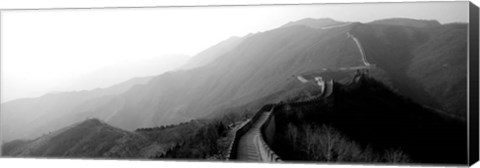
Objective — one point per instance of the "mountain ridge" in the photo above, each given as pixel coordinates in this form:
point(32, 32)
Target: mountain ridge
point(407, 22)
point(315, 23)
point(262, 64)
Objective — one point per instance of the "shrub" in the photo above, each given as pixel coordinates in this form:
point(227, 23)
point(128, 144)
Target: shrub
point(202, 144)
point(325, 143)
point(395, 156)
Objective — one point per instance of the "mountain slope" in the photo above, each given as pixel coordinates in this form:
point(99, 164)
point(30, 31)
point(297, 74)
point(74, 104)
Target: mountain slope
point(120, 71)
point(440, 65)
point(370, 114)
point(255, 68)
point(261, 66)
point(91, 138)
point(426, 64)
point(209, 55)
point(52, 111)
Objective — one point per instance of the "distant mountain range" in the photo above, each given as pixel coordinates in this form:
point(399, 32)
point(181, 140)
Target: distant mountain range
point(124, 70)
point(93, 138)
point(407, 22)
point(32, 117)
point(422, 60)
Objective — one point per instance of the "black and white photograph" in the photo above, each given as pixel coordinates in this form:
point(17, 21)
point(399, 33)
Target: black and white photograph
point(355, 83)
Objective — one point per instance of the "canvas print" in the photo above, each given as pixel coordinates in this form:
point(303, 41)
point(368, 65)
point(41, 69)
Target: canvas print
point(367, 83)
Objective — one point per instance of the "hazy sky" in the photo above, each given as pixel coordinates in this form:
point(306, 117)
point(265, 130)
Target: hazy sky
point(45, 50)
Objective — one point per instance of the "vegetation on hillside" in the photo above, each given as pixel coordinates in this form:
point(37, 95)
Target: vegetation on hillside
point(91, 138)
point(211, 141)
point(202, 145)
point(313, 142)
point(94, 139)
point(371, 117)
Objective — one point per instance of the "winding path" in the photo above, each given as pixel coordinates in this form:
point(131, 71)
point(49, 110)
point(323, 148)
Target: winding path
point(248, 148)
point(362, 53)
point(251, 147)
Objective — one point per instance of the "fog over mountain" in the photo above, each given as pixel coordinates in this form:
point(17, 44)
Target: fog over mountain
point(118, 71)
point(125, 70)
point(52, 111)
point(40, 58)
point(212, 53)
point(241, 70)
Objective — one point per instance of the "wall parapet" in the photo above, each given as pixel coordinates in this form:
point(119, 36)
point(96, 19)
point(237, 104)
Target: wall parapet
point(247, 125)
point(266, 152)
point(267, 129)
